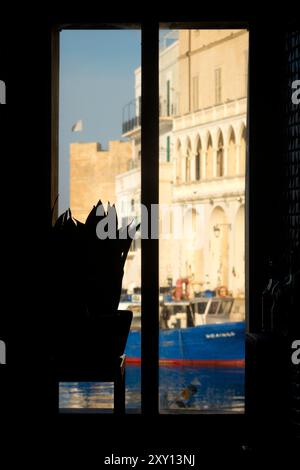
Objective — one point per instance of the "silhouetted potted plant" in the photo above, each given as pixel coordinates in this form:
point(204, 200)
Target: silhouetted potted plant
point(88, 269)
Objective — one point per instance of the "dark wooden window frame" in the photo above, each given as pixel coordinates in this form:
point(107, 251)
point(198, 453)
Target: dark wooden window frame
point(149, 187)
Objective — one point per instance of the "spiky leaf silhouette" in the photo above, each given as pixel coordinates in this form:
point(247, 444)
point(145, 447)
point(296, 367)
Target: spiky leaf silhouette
point(89, 269)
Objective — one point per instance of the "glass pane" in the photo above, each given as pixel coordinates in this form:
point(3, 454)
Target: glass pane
point(202, 162)
point(99, 158)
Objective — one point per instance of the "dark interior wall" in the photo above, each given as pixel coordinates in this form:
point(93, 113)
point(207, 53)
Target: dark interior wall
point(291, 163)
point(266, 146)
point(28, 151)
point(26, 196)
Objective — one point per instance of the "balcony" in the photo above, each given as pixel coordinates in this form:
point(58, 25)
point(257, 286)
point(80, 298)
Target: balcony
point(131, 122)
point(131, 117)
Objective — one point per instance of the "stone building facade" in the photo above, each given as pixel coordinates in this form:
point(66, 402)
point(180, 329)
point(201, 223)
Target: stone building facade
point(93, 172)
point(128, 184)
point(202, 155)
point(209, 137)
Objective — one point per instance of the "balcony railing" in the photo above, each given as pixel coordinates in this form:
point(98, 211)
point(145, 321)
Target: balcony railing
point(131, 124)
point(132, 113)
point(167, 109)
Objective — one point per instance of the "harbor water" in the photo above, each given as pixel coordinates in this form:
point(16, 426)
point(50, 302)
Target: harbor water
point(181, 390)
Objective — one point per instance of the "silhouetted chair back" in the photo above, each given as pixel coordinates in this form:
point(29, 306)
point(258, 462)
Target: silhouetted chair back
point(97, 355)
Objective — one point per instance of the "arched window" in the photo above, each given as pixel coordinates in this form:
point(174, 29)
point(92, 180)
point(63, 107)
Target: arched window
point(220, 157)
point(197, 167)
point(231, 156)
point(178, 162)
point(243, 153)
point(188, 163)
point(209, 158)
point(198, 161)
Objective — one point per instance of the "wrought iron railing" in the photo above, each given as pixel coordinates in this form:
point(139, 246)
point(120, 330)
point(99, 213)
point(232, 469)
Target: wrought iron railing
point(132, 113)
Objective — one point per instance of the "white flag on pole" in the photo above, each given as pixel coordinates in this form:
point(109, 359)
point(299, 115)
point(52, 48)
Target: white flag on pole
point(77, 127)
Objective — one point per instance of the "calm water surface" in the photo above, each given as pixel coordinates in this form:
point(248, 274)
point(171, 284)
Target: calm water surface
point(189, 389)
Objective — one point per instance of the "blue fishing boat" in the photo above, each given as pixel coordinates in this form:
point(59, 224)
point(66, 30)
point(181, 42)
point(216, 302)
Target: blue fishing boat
point(203, 332)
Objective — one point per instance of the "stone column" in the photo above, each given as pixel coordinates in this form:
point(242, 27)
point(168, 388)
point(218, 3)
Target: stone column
point(192, 167)
point(238, 159)
point(225, 161)
point(203, 157)
point(214, 163)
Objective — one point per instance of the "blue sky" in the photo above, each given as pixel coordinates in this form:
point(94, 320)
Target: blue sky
point(96, 81)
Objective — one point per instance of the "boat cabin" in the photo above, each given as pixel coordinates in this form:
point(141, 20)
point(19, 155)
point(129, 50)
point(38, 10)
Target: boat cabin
point(190, 313)
point(208, 310)
point(201, 311)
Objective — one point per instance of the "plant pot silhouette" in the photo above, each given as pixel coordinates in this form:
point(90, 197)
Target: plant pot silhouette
point(88, 274)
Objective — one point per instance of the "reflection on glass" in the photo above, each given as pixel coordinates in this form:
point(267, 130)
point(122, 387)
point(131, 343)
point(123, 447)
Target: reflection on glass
point(201, 389)
point(81, 395)
point(182, 389)
point(203, 108)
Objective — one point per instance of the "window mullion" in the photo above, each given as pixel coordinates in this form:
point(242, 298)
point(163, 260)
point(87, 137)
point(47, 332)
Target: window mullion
point(150, 196)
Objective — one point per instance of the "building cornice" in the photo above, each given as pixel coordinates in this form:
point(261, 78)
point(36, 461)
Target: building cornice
point(212, 44)
point(211, 115)
point(210, 190)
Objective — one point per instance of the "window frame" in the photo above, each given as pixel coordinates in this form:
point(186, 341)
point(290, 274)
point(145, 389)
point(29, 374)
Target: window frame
point(149, 187)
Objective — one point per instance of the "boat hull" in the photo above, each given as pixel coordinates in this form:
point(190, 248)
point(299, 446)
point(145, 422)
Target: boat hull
point(207, 345)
